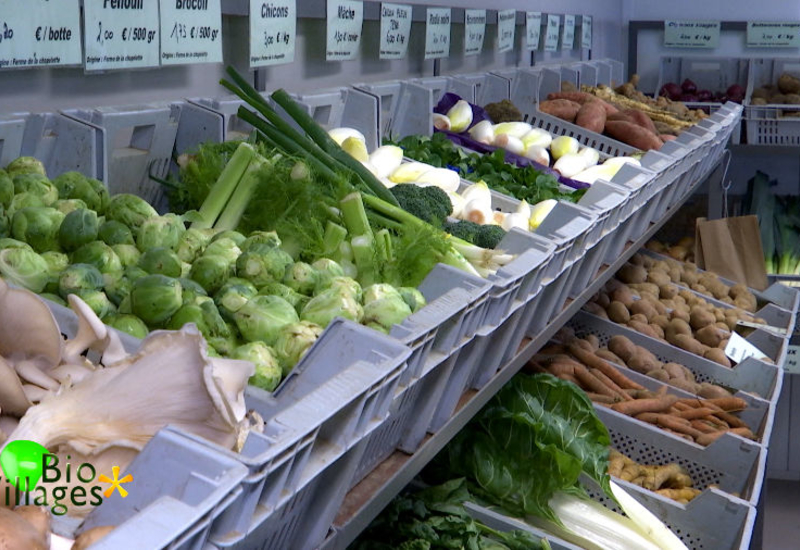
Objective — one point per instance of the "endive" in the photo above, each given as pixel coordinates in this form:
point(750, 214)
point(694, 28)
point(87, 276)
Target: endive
point(482, 132)
point(460, 116)
point(591, 156)
point(515, 220)
point(570, 165)
point(537, 153)
point(443, 178)
point(478, 190)
point(441, 122)
point(478, 210)
point(537, 136)
point(540, 212)
point(386, 159)
point(340, 134)
point(410, 171)
point(564, 145)
point(515, 129)
point(509, 143)
point(356, 148)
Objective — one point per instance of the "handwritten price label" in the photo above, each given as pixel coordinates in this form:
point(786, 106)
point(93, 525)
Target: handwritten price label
point(553, 31)
point(191, 32)
point(568, 38)
point(533, 29)
point(121, 35)
point(586, 32)
point(437, 33)
point(345, 18)
point(766, 34)
point(273, 29)
point(395, 30)
point(474, 31)
point(39, 33)
point(506, 27)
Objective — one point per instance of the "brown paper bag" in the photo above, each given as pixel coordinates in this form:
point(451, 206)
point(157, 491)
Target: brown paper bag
point(731, 248)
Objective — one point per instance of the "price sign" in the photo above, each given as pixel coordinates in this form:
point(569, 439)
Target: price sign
point(691, 34)
point(792, 365)
point(121, 34)
point(474, 31)
point(765, 34)
point(568, 38)
point(191, 32)
point(345, 18)
point(506, 26)
point(739, 349)
point(553, 31)
point(437, 33)
point(395, 30)
point(273, 27)
point(533, 29)
point(39, 33)
point(586, 32)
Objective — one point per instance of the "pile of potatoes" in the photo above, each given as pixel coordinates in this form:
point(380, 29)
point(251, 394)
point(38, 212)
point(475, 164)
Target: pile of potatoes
point(649, 303)
point(683, 251)
point(784, 92)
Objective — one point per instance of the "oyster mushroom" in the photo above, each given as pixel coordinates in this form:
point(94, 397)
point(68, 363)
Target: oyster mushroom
point(28, 329)
point(114, 350)
point(8, 424)
point(91, 536)
point(17, 533)
point(12, 396)
point(33, 371)
point(91, 331)
point(36, 516)
point(68, 373)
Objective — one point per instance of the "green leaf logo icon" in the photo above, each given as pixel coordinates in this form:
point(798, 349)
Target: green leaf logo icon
point(22, 463)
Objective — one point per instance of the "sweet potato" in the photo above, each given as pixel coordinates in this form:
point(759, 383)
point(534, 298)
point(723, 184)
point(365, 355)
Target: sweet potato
point(561, 108)
point(583, 98)
point(633, 135)
point(666, 137)
point(592, 116)
point(641, 119)
point(620, 117)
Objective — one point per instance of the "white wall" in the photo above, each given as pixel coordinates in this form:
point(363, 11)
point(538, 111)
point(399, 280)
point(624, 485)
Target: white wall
point(49, 89)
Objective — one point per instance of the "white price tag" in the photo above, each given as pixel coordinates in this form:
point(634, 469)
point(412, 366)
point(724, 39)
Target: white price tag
point(691, 34)
point(191, 32)
point(345, 18)
point(121, 34)
point(792, 365)
point(395, 30)
point(568, 38)
point(273, 29)
point(474, 31)
point(39, 33)
point(437, 33)
point(506, 27)
point(767, 34)
point(739, 349)
point(553, 32)
point(533, 29)
point(777, 331)
point(586, 32)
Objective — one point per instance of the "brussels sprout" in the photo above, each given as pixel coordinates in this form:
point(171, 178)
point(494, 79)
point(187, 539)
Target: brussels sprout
point(118, 289)
point(191, 290)
point(25, 165)
point(8, 242)
point(268, 372)
point(192, 243)
point(57, 262)
point(70, 205)
point(163, 231)
point(98, 301)
point(262, 317)
point(129, 210)
point(134, 272)
point(235, 236)
point(128, 323)
point(301, 277)
point(326, 305)
point(326, 271)
point(223, 345)
point(6, 189)
point(282, 291)
point(161, 261)
point(267, 238)
point(348, 285)
point(78, 228)
point(5, 224)
point(74, 185)
point(55, 298)
point(113, 232)
point(233, 295)
point(412, 297)
point(100, 255)
point(210, 272)
point(225, 248)
point(24, 268)
point(386, 312)
point(128, 254)
point(188, 313)
point(79, 277)
point(124, 307)
point(38, 185)
point(204, 314)
point(38, 226)
point(379, 291)
point(156, 298)
point(23, 200)
point(294, 341)
point(262, 264)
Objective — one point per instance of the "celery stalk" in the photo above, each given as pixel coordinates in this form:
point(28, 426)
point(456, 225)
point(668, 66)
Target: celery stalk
point(364, 255)
point(354, 215)
point(224, 187)
point(232, 215)
point(335, 234)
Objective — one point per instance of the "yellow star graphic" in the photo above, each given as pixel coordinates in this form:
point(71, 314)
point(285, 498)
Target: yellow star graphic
point(116, 483)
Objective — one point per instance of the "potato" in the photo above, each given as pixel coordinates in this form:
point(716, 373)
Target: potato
point(593, 341)
point(681, 313)
point(745, 302)
point(656, 246)
point(712, 391)
point(658, 278)
point(676, 327)
point(640, 318)
point(687, 295)
point(710, 335)
point(638, 259)
point(689, 278)
point(700, 318)
point(688, 343)
point(618, 313)
point(675, 370)
point(667, 292)
point(643, 328)
point(602, 299)
point(631, 274)
point(643, 363)
point(660, 320)
point(645, 308)
point(623, 295)
point(718, 356)
point(722, 325)
point(675, 274)
point(649, 288)
point(606, 354)
point(657, 330)
point(678, 252)
point(622, 347)
point(659, 375)
point(595, 309)
point(685, 385)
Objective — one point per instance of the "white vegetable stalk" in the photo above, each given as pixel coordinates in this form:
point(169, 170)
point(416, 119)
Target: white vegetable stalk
point(477, 210)
point(594, 173)
point(539, 137)
point(646, 520)
point(482, 132)
point(537, 153)
point(498, 218)
point(386, 159)
point(460, 116)
point(570, 165)
point(514, 129)
point(591, 156)
point(523, 208)
point(410, 172)
point(540, 212)
point(564, 145)
point(340, 134)
point(517, 220)
point(509, 143)
point(458, 204)
point(441, 122)
point(478, 190)
point(621, 161)
point(445, 179)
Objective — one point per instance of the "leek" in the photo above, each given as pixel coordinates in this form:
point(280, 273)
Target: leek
point(224, 187)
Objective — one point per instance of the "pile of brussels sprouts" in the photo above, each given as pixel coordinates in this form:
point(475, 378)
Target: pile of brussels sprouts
point(140, 271)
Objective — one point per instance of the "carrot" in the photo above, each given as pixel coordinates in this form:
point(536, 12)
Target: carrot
point(568, 378)
point(694, 414)
point(610, 383)
point(666, 421)
point(591, 383)
point(561, 368)
point(638, 406)
point(662, 391)
point(633, 135)
point(724, 404)
point(596, 362)
point(703, 426)
point(534, 366)
point(601, 399)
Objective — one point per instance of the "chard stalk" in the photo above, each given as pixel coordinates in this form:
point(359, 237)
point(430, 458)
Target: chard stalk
point(225, 186)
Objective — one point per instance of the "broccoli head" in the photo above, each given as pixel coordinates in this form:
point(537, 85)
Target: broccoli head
point(484, 236)
point(430, 204)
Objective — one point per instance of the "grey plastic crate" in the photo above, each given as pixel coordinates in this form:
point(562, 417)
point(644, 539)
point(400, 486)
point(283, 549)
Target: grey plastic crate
point(771, 124)
point(405, 108)
point(716, 74)
point(440, 85)
point(489, 87)
point(137, 141)
point(336, 396)
point(604, 71)
point(751, 375)
point(63, 145)
point(179, 488)
point(12, 130)
point(524, 86)
point(587, 72)
point(551, 77)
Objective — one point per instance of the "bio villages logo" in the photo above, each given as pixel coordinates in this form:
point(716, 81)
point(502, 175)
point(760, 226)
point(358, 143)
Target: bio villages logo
point(25, 463)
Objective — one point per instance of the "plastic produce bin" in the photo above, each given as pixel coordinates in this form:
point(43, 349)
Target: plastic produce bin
point(12, 130)
point(489, 87)
point(771, 124)
point(63, 145)
point(405, 108)
point(716, 74)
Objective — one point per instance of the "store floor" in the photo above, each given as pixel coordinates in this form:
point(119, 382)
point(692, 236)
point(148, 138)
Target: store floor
point(782, 516)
